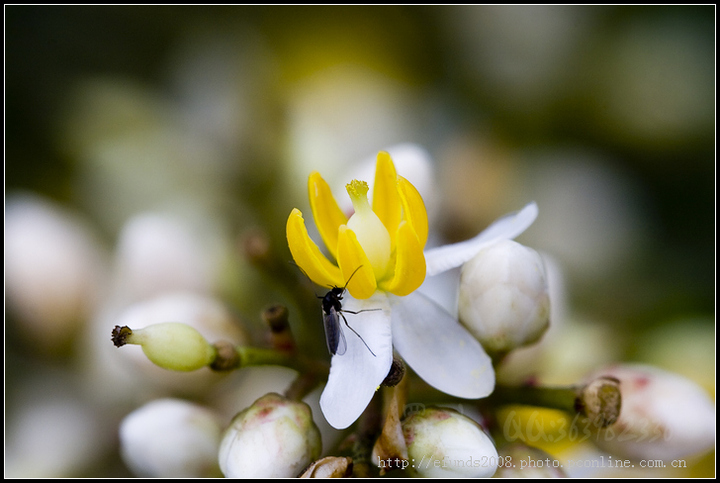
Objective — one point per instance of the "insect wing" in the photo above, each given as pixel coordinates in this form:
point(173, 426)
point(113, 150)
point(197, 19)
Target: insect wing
point(334, 335)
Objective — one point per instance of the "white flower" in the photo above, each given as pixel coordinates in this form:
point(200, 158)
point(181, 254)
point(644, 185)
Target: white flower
point(169, 438)
point(273, 438)
point(381, 259)
point(504, 300)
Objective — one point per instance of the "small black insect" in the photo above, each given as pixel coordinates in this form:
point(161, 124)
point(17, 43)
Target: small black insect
point(332, 308)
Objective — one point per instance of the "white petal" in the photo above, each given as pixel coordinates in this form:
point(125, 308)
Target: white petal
point(508, 227)
point(355, 375)
point(439, 349)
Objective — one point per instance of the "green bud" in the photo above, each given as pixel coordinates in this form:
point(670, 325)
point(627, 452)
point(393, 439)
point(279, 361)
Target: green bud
point(173, 346)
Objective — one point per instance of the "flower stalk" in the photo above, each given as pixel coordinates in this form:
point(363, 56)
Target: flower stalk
point(179, 347)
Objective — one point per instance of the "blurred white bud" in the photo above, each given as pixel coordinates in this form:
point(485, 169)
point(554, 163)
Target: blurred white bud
point(273, 438)
point(504, 299)
point(593, 219)
point(157, 253)
point(171, 438)
point(335, 115)
point(52, 429)
point(172, 346)
point(442, 443)
point(663, 415)
point(54, 269)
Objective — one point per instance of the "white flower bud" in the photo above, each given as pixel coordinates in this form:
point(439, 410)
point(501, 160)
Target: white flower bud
point(442, 443)
point(158, 253)
point(273, 438)
point(504, 299)
point(54, 269)
point(52, 429)
point(663, 415)
point(174, 346)
point(171, 438)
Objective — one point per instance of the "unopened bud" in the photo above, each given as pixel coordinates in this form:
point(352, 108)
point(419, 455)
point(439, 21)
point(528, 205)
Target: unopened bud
point(170, 438)
point(211, 318)
point(664, 415)
point(273, 438)
point(504, 299)
point(171, 345)
point(450, 444)
point(54, 272)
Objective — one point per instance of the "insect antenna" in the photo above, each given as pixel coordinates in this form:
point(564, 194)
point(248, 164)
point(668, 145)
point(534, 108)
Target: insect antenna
point(350, 278)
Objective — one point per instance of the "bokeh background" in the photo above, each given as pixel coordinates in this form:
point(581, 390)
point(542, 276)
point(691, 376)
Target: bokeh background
point(162, 136)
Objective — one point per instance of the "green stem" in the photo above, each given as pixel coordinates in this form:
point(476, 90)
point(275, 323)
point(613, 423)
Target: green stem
point(562, 398)
point(258, 356)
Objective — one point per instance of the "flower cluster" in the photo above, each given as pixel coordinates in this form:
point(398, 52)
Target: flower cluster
point(376, 263)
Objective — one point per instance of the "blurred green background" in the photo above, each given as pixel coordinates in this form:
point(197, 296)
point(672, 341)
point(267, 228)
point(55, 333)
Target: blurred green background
point(603, 115)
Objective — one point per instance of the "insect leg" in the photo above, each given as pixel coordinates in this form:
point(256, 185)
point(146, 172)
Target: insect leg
point(348, 326)
point(360, 311)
